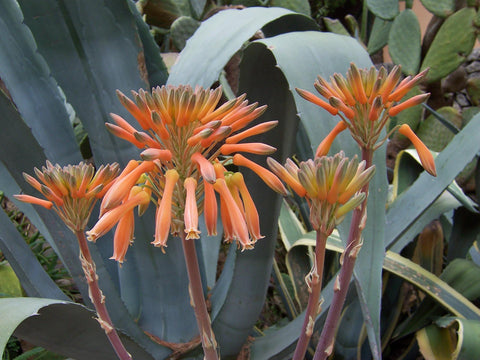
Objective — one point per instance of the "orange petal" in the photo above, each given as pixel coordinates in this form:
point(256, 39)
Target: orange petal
point(267, 176)
point(324, 147)
point(251, 213)
point(191, 210)
point(238, 224)
point(415, 100)
point(307, 95)
point(210, 209)
point(284, 175)
point(164, 210)
point(245, 120)
point(357, 84)
point(122, 187)
point(110, 218)
point(33, 200)
point(133, 109)
point(425, 155)
point(252, 148)
point(32, 181)
point(206, 168)
point(340, 105)
point(154, 154)
point(255, 130)
point(123, 236)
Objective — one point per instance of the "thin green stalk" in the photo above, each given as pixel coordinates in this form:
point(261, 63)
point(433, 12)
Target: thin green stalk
point(359, 217)
point(314, 282)
point(198, 300)
point(98, 299)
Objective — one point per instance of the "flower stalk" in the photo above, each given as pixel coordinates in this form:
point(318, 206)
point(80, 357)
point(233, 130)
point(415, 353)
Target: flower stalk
point(359, 217)
point(98, 299)
point(197, 298)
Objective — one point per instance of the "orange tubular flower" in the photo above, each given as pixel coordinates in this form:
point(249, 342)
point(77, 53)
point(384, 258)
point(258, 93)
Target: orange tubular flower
point(364, 100)
point(331, 185)
point(184, 133)
point(425, 155)
point(70, 190)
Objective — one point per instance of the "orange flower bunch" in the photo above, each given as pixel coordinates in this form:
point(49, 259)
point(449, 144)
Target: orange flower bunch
point(331, 186)
point(186, 139)
point(71, 190)
point(365, 100)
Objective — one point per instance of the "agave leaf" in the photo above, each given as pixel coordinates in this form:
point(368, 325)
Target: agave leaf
point(426, 189)
point(63, 327)
point(237, 26)
point(34, 92)
point(33, 278)
point(466, 227)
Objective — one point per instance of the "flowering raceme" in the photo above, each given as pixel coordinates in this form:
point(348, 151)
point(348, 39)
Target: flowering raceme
point(365, 100)
point(71, 190)
point(331, 186)
point(186, 139)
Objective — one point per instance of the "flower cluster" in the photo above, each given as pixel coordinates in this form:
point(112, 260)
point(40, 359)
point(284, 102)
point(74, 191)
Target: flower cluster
point(331, 185)
point(71, 190)
point(186, 139)
point(365, 100)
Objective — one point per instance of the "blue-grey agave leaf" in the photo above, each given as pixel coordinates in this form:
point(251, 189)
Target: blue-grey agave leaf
point(34, 92)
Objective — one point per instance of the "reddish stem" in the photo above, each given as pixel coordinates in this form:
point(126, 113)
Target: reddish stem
point(313, 306)
point(198, 300)
point(327, 337)
point(98, 299)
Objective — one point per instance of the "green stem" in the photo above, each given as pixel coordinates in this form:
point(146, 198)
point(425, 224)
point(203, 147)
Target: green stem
point(98, 299)
point(198, 300)
point(314, 283)
point(359, 217)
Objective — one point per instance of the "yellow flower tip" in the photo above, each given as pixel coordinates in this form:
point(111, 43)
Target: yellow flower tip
point(307, 95)
point(206, 168)
point(267, 176)
point(356, 83)
point(154, 154)
point(285, 175)
point(252, 148)
point(426, 157)
point(191, 211)
point(415, 100)
point(33, 200)
point(324, 147)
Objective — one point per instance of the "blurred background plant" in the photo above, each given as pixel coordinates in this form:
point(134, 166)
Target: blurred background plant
point(417, 277)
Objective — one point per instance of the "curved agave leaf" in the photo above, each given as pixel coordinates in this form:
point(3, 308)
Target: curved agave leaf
point(33, 90)
point(63, 327)
point(426, 189)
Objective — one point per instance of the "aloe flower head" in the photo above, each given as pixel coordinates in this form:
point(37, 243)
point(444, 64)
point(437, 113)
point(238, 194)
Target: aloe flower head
point(331, 185)
point(365, 100)
point(70, 190)
point(186, 137)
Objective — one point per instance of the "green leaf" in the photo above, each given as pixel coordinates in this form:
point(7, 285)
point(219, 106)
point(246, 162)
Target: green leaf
point(452, 44)
point(236, 27)
point(379, 35)
point(385, 9)
point(427, 188)
point(62, 327)
point(441, 8)
point(450, 338)
point(335, 26)
point(466, 228)
point(9, 283)
point(299, 6)
point(404, 42)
